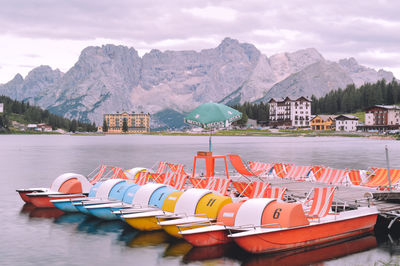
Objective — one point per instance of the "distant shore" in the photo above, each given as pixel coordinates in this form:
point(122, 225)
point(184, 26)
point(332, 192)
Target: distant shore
point(239, 132)
point(278, 133)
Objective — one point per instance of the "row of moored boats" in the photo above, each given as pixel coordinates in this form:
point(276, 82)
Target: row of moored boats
point(207, 211)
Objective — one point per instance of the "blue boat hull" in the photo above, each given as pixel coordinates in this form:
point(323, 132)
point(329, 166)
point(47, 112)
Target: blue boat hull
point(104, 213)
point(82, 209)
point(66, 206)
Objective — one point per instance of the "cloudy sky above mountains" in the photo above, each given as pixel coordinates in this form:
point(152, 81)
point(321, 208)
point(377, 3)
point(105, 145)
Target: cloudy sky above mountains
point(48, 32)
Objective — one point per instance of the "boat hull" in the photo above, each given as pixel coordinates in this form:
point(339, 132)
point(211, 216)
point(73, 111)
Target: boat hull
point(149, 223)
point(81, 208)
point(104, 213)
point(22, 193)
point(66, 206)
point(174, 230)
point(43, 201)
point(300, 237)
point(205, 239)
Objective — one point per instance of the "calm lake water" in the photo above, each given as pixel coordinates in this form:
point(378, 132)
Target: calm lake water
point(38, 236)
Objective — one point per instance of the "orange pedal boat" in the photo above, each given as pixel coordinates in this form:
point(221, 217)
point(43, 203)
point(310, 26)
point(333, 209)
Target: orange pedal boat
point(269, 225)
point(284, 227)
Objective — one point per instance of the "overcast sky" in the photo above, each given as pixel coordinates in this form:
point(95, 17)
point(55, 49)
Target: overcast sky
point(54, 32)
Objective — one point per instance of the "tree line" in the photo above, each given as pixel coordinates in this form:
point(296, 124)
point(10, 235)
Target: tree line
point(348, 100)
point(353, 99)
point(35, 114)
point(256, 111)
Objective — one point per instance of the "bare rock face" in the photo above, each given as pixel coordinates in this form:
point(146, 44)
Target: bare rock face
point(114, 78)
point(361, 74)
point(29, 89)
point(316, 79)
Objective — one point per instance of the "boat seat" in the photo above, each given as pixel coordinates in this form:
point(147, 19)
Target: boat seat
point(321, 202)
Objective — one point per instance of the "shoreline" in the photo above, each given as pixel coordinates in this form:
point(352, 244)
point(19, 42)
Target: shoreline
point(235, 133)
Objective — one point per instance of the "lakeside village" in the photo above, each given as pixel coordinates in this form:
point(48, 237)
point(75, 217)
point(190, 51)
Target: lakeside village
point(283, 113)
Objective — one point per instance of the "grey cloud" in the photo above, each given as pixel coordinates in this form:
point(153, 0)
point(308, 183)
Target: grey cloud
point(32, 55)
point(27, 66)
point(334, 27)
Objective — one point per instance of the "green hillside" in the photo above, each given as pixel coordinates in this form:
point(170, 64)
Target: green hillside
point(23, 114)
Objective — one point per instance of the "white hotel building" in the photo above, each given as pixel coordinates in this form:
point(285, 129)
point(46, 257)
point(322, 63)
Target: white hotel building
point(290, 112)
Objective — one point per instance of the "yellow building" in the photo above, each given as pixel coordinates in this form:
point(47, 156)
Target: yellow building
point(323, 122)
point(137, 123)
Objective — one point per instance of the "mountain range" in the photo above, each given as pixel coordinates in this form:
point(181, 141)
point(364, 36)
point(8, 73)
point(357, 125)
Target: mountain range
point(169, 84)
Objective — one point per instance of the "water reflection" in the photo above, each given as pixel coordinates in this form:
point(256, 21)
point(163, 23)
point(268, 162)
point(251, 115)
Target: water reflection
point(177, 248)
point(152, 238)
point(388, 240)
point(88, 225)
point(127, 234)
point(316, 254)
point(27, 208)
point(213, 252)
point(92, 225)
point(34, 212)
point(70, 218)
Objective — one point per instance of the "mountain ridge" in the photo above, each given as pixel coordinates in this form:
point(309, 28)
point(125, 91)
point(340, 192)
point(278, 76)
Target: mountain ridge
point(114, 78)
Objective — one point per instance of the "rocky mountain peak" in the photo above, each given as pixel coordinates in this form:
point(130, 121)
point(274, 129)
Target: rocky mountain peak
point(110, 51)
point(351, 65)
point(17, 79)
point(228, 42)
point(232, 48)
point(361, 74)
point(44, 73)
point(285, 64)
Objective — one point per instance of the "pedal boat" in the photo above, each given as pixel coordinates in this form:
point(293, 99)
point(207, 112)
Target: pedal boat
point(97, 192)
point(65, 186)
point(148, 197)
point(195, 208)
point(213, 233)
point(105, 194)
point(144, 219)
point(67, 205)
point(283, 228)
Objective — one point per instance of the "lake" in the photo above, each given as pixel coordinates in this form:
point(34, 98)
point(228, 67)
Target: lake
point(38, 236)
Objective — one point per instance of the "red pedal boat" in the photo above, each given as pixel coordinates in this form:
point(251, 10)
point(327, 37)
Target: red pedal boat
point(65, 186)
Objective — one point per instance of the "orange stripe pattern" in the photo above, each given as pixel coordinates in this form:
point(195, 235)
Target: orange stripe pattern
point(332, 176)
point(218, 185)
point(297, 172)
point(380, 179)
point(355, 177)
point(280, 169)
point(321, 202)
point(142, 178)
point(98, 176)
point(259, 168)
